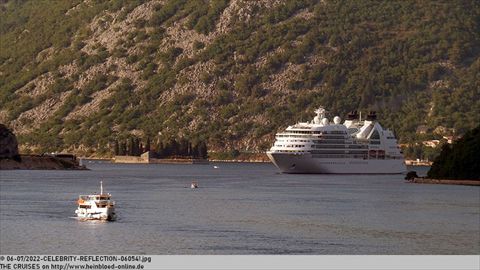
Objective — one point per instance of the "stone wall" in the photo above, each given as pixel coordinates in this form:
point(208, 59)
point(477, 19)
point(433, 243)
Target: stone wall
point(130, 159)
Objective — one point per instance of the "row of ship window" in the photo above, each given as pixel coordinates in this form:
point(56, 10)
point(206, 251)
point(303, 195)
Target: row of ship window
point(326, 146)
point(344, 155)
point(347, 156)
point(328, 141)
point(306, 136)
point(349, 147)
point(360, 152)
point(294, 136)
point(317, 132)
point(293, 140)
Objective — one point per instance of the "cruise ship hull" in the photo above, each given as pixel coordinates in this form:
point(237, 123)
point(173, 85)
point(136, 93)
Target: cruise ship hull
point(305, 163)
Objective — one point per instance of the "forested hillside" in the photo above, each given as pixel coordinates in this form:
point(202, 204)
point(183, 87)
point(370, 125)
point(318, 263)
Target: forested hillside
point(78, 75)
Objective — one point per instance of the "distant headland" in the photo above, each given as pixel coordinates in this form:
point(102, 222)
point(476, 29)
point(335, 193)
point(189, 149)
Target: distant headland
point(457, 164)
point(10, 159)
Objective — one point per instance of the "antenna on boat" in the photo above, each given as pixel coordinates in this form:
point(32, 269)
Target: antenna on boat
point(101, 187)
point(320, 112)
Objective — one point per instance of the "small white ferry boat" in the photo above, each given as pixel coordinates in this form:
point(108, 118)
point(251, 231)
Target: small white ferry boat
point(96, 206)
point(194, 184)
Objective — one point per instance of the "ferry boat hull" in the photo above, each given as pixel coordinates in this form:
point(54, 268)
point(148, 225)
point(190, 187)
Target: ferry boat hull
point(305, 163)
point(107, 214)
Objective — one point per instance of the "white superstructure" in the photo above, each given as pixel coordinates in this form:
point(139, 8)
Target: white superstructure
point(354, 147)
point(96, 206)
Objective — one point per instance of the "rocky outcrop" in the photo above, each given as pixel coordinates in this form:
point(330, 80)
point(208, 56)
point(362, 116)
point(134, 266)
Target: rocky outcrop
point(10, 159)
point(40, 162)
point(8, 144)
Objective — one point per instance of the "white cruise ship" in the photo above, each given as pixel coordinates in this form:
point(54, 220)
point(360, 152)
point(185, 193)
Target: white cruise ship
point(355, 147)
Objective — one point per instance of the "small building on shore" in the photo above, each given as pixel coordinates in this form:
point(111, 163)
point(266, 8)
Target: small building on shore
point(144, 158)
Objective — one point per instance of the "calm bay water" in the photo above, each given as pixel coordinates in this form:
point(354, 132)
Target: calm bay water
point(238, 209)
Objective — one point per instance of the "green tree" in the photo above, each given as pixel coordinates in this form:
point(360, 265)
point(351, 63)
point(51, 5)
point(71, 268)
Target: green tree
point(460, 160)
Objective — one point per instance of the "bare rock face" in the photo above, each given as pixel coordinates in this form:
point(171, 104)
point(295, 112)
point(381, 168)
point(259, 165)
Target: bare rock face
point(8, 143)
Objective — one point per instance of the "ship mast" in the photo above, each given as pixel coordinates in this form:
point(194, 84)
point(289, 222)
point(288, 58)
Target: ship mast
point(320, 112)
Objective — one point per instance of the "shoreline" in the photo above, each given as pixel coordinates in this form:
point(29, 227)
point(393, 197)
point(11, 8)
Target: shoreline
point(421, 180)
point(176, 161)
point(38, 162)
point(145, 159)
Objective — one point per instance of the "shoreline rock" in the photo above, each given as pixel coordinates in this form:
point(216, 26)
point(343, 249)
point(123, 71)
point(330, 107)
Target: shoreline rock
point(421, 180)
point(8, 144)
point(10, 159)
point(39, 162)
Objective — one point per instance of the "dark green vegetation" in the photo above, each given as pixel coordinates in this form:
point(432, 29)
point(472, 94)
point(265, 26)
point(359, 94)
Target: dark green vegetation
point(173, 148)
point(460, 160)
point(414, 62)
point(8, 144)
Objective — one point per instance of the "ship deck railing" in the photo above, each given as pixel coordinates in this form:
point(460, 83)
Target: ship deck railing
point(95, 197)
